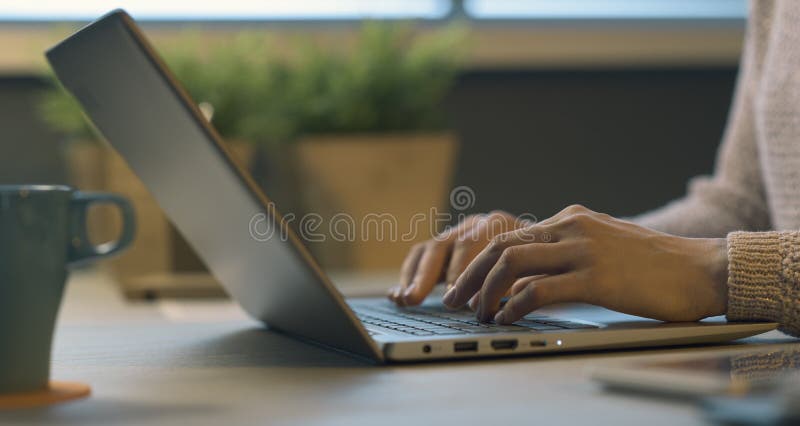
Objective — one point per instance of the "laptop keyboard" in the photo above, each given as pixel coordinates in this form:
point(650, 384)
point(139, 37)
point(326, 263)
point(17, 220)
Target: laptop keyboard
point(437, 321)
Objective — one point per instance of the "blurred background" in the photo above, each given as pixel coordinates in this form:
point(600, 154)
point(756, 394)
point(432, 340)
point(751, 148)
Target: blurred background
point(383, 107)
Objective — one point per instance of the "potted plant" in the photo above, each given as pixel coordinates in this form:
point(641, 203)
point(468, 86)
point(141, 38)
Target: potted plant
point(373, 142)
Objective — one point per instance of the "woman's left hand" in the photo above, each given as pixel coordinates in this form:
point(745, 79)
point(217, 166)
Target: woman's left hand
point(582, 256)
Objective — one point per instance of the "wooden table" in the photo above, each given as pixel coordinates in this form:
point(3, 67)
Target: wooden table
point(205, 362)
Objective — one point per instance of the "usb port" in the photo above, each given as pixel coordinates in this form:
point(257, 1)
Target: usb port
point(504, 344)
point(465, 346)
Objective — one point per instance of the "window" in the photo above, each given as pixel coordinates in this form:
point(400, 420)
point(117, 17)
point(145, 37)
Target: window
point(338, 10)
point(228, 10)
point(608, 9)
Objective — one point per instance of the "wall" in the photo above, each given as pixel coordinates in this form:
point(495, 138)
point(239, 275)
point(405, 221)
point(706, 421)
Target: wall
point(616, 141)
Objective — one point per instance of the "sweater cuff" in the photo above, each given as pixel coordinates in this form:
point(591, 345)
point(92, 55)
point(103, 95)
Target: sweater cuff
point(755, 279)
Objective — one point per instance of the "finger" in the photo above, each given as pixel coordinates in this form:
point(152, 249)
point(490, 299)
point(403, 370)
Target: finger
point(565, 212)
point(463, 253)
point(518, 261)
point(521, 283)
point(410, 264)
point(472, 239)
point(474, 301)
point(394, 294)
point(414, 293)
point(538, 233)
point(471, 280)
point(429, 272)
point(451, 234)
point(412, 260)
point(464, 250)
point(541, 292)
point(495, 223)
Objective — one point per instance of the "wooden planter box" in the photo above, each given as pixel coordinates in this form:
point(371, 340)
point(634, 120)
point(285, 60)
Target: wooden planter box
point(397, 174)
point(159, 262)
point(401, 175)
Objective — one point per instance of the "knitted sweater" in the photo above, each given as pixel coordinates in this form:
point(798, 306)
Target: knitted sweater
point(755, 188)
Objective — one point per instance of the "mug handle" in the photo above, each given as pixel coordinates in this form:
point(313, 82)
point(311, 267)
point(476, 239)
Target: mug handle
point(81, 248)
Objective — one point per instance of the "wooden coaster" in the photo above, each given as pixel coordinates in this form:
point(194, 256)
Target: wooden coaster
point(57, 392)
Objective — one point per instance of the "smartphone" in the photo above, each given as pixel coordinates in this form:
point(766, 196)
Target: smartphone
point(730, 374)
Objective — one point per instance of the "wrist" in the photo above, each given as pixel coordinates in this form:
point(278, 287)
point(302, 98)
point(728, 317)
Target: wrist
point(715, 260)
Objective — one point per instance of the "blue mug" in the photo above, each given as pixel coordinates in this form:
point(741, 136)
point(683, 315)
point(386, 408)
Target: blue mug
point(42, 231)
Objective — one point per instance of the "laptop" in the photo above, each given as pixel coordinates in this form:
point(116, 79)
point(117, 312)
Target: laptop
point(142, 111)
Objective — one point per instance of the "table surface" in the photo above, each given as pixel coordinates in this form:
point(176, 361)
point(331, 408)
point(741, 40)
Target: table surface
point(205, 362)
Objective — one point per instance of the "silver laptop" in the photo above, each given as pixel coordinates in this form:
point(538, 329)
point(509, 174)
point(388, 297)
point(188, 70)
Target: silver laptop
point(142, 111)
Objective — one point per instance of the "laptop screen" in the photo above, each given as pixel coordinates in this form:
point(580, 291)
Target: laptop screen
point(143, 113)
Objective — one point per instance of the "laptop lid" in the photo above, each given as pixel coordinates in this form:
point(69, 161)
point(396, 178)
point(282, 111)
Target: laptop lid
point(142, 111)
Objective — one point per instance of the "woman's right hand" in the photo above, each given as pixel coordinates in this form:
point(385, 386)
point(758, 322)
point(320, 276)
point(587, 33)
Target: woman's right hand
point(445, 257)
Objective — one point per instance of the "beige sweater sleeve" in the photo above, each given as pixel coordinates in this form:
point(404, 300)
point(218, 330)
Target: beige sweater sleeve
point(764, 278)
point(734, 197)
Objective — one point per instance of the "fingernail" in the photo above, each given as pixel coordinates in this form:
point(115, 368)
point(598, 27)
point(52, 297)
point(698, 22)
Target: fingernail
point(473, 303)
point(409, 290)
point(449, 296)
point(500, 318)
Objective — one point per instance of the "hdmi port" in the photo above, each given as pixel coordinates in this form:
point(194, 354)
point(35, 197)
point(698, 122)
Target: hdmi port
point(465, 346)
point(504, 344)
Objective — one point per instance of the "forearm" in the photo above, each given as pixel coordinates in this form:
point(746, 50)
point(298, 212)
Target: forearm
point(712, 208)
point(764, 278)
point(734, 198)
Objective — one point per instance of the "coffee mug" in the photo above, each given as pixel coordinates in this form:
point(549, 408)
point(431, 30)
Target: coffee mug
point(42, 231)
